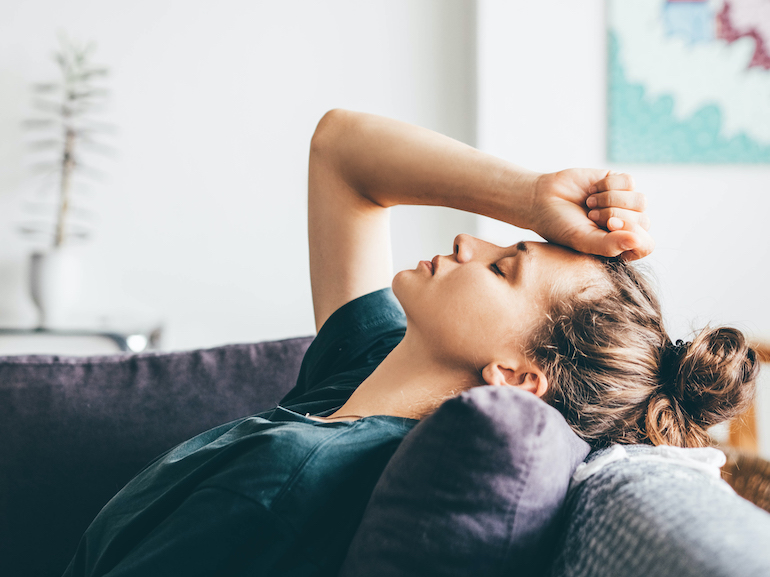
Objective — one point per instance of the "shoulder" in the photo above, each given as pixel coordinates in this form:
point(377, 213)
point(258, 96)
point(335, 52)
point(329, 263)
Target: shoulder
point(356, 327)
point(349, 346)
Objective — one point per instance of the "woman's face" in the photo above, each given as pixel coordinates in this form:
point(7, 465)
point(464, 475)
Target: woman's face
point(481, 301)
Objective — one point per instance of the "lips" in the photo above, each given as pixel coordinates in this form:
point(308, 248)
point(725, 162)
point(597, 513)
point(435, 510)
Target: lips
point(434, 263)
point(428, 264)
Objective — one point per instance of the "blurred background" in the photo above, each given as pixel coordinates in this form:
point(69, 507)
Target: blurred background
point(201, 217)
point(199, 224)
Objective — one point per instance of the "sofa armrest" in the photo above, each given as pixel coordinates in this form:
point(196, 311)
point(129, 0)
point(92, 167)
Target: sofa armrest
point(74, 430)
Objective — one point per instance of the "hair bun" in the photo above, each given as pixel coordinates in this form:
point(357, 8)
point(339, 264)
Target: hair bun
point(714, 379)
point(703, 383)
point(670, 361)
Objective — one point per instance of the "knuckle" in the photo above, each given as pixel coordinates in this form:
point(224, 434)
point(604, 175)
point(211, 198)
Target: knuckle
point(628, 181)
point(608, 198)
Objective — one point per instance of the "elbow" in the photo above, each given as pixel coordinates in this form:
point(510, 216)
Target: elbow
point(328, 131)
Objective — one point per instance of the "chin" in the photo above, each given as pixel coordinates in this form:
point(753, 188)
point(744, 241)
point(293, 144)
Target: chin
point(407, 289)
point(397, 285)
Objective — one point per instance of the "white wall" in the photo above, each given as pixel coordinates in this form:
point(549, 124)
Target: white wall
point(542, 104)
point(202, 223)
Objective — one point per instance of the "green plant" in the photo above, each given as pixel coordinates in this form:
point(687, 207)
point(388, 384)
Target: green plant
point(65, 128)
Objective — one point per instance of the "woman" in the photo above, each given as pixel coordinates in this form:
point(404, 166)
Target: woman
point(281, 493)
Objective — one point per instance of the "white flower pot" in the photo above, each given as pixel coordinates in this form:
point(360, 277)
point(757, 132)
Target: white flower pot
point(55, 278)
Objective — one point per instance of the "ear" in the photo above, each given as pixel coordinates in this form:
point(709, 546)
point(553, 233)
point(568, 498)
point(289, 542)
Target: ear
point(521, 373)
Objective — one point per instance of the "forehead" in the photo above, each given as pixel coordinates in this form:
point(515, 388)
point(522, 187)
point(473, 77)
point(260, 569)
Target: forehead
point(549, 251)
point(559, 267)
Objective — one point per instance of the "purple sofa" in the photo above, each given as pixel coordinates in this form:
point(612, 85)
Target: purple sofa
point(488, 498)
point(74, 430)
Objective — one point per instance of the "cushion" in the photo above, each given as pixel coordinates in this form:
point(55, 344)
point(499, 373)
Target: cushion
point(74, 430)
point(643, 515)
point(474, 489)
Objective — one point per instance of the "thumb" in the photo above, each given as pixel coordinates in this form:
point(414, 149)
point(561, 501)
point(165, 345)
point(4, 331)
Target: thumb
point(632, 242)
point(633, 239)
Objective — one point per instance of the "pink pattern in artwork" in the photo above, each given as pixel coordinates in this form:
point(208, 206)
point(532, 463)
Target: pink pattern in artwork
point(739, 19)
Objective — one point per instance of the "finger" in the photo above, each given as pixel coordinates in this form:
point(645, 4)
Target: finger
point(641, 245)
point(631, 243)
point(613, 181)
point(638, 245)
point(618, 198)
point(616, 218)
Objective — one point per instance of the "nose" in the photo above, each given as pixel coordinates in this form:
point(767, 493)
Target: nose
point(466, 247)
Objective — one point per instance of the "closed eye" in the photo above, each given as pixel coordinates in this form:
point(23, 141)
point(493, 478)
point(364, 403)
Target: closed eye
point(497, 270)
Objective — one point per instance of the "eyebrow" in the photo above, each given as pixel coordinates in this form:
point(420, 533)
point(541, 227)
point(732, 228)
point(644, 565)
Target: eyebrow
point(523, 249)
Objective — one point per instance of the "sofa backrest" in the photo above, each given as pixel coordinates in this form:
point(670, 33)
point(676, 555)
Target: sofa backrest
point(74, 430)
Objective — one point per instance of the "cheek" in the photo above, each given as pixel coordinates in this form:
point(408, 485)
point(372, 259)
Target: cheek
point(486, 314)
point(461, 303)
point(468, 294)
point(467, 314)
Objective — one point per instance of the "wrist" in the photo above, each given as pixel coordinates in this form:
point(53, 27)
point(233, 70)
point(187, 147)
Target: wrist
point(527, 186)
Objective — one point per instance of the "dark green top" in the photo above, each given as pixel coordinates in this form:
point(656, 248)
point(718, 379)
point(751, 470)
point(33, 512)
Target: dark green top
point(272, 494)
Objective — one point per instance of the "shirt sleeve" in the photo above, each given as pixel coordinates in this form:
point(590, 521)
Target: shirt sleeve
point(349, 346)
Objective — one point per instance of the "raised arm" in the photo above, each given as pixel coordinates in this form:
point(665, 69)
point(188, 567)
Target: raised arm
point(361, 164)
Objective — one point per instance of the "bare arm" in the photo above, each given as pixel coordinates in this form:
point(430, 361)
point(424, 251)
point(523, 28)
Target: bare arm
point(361, 164)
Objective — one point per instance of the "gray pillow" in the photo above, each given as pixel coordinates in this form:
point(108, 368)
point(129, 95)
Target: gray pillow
point(646, 516)
point(474, 489)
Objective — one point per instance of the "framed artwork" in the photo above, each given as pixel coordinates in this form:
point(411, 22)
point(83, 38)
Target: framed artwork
point(689, 81)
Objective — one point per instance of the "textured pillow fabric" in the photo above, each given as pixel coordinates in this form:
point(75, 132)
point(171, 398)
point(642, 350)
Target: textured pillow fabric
point(640, 516)
point(475, 489)
point(74, 430)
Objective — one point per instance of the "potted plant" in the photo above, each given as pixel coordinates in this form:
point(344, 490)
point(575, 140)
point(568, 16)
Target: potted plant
point(63, 132)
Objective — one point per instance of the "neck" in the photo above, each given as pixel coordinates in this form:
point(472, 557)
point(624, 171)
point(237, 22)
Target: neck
point(410, 382)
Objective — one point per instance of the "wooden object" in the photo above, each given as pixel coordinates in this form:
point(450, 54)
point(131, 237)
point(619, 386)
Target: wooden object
point(743, 430)
point(749, 476)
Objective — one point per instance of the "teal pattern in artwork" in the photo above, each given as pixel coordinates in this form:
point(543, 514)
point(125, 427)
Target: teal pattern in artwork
point(643, 129)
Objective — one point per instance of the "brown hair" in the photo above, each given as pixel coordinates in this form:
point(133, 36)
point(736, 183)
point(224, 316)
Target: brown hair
point(615, 375)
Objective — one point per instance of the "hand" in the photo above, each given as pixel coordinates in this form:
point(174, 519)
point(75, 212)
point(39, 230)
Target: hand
point(592, 211)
